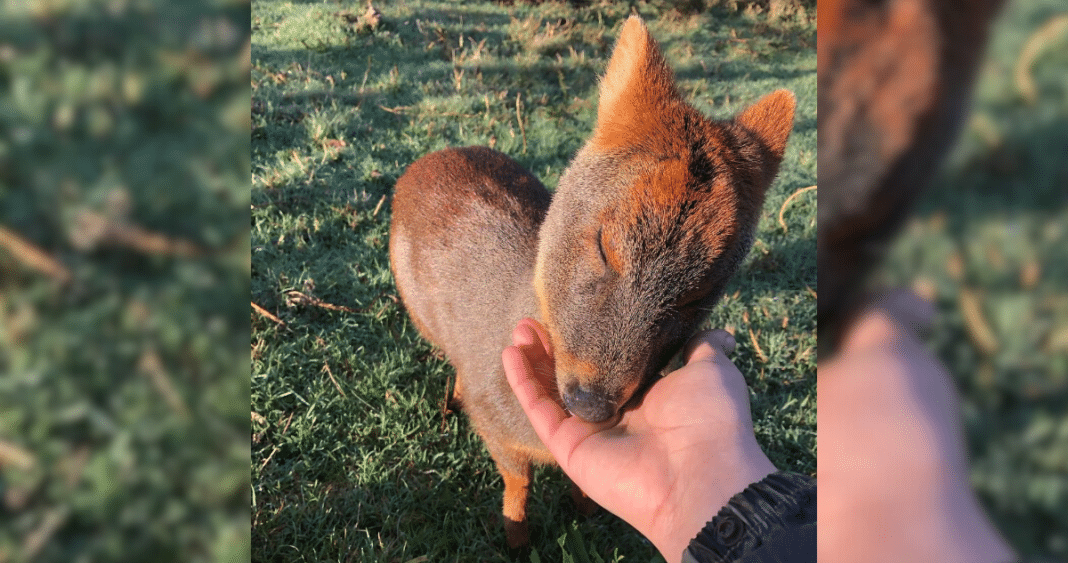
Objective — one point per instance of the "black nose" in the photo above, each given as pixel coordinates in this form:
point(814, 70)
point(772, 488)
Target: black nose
point(590, 404)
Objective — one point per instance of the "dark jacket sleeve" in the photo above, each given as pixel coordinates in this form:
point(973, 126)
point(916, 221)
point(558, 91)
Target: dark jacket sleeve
point(771, 521)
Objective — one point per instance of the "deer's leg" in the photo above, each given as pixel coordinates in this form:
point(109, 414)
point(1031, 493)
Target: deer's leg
point(516, 493)
point(584, 504)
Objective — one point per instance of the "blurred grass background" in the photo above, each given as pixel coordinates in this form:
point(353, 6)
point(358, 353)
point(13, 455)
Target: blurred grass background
point(124, 174)
point(353, 456)
point(990, 245)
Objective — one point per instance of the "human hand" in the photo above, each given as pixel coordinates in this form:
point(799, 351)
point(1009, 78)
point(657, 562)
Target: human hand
point(670, 464)
point(893, 482)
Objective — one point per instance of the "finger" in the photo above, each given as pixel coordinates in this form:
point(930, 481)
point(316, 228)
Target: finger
point(705, 344)
point(532, 393)
point(893, 314)
point(542, 335)
point(561, 434)
point(526, 338)
point(523, 334)
point(909, 309)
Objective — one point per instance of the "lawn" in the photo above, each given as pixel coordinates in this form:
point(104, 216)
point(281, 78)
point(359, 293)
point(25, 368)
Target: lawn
point(988, 245)
point(353, 455)
point(124, 173)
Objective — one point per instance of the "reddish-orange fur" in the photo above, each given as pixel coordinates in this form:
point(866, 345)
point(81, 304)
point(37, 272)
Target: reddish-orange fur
point(637, 84)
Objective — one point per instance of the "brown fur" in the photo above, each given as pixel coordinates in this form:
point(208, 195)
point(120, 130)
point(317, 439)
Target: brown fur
point(894, 78)
point(652, 217)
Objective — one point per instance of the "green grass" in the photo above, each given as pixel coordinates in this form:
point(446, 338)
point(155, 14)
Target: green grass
point(353, 458)
point(123, 388)
point(996, 227)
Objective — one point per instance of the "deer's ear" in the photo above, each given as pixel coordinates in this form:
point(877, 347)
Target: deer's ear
point(635, 87)
point(771, 119)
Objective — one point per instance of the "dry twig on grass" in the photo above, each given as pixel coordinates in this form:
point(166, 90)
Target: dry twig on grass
point(756, 346)
point(33, 256)
point(151, 366)
point(782, 209)
point(15, 456)
point(975, 322)
point(51, 523)
point(93, 229)
point(267, 314)
point(326, 370)
point(753, 338)
point(1036, 44)
point(519, 118)
point(302, 299)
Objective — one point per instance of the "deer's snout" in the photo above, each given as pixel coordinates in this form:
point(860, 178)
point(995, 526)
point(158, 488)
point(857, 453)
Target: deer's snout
point(592, 404)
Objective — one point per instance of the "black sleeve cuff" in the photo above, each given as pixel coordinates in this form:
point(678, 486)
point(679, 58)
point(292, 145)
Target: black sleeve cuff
point(771, 521)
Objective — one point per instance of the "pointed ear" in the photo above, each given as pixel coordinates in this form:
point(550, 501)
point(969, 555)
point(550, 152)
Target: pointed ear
point(771, 120)
point(635, 87)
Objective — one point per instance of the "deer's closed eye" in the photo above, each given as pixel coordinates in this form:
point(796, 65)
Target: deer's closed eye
point(600, 246)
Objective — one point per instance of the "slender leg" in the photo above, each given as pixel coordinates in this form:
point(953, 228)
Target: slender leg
point(455, 402)
point(516, 491)
point(584, 504)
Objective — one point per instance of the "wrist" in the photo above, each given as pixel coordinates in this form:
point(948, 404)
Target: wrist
point(770, 518)
point(694, 502)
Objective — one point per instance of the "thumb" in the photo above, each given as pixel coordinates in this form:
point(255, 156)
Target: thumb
point(705, 344)
point(894, 313)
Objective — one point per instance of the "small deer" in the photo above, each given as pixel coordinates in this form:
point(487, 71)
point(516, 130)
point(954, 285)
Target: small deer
point(620, 266)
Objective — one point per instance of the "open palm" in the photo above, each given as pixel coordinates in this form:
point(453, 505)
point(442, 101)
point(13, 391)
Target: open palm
point(669, 464)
